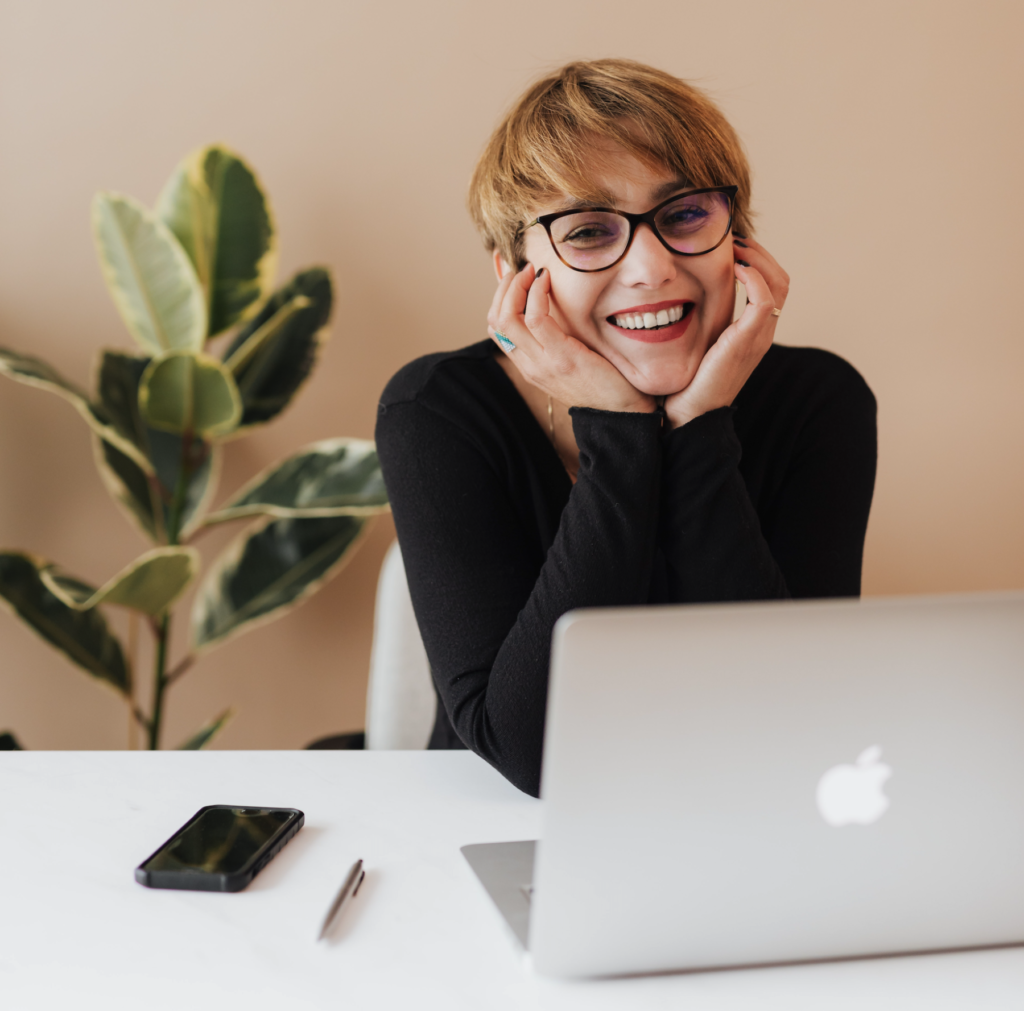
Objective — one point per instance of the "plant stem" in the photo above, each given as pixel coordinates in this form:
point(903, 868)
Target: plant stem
point(159, 680)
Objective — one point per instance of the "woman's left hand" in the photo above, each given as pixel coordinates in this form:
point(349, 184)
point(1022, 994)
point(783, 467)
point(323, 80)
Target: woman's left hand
point(728, 363)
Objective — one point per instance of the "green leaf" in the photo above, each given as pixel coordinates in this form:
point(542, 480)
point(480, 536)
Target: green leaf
point(130, 488)
point(269, 570)
point(203, 736)
point(35, 372)
point(214, 205)
point(8, 742)
point(244, 354)
point(150, 584)
point(146, 501)
point(269, 374)
point(82, 636)
point(150, 277)
point(184, 392)
point(144, 498)
point(117, 390)
point(335, 477)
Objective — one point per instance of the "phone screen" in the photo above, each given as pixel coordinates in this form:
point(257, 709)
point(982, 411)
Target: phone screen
point(222, 840)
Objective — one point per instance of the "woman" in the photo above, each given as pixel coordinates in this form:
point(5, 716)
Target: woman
point(618, 439)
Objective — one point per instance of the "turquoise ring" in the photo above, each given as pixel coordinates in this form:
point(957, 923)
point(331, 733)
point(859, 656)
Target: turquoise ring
point(506, 344)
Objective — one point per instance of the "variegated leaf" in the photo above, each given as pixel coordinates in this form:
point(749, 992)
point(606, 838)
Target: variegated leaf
point(82, 636)
point(145, 500)
point(183, 392)
point(150, 584)
point(215, 206)
point(150, 277)
point(269, 375)
point(267, 571)
point(35, 372)
point(335, 477)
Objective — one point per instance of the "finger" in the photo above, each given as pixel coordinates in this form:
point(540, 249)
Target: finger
point(499, 296)
point(514, 302)
point(537, 313)
point(757, 256)
point(747, 248)
point(757, 315)
point(508, 320)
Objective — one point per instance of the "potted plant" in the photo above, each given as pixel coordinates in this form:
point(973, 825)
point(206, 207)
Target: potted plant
point(219, 353)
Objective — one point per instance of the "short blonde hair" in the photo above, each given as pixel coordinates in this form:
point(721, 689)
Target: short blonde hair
point(544, 146)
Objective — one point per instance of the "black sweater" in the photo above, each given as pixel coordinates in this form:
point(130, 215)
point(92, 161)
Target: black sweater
point(766, 499)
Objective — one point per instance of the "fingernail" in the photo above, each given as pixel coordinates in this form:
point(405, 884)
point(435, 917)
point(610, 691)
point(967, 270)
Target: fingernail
point(743, 245)
point(743, 263)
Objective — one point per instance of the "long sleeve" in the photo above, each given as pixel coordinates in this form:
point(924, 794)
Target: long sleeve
point(486, 602)
point(814, 502)
point(714, 547)
point(771, 498)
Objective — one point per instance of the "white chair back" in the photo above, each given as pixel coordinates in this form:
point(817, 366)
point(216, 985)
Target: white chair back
point(400, 699)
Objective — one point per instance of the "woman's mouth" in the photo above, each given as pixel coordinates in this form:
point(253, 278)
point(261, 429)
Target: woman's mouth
point(655, 323)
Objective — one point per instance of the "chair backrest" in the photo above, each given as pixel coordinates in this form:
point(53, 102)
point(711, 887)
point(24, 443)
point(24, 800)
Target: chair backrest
point(400, 699)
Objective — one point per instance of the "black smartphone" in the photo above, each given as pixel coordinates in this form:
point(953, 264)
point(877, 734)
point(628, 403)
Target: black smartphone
point(220, 848)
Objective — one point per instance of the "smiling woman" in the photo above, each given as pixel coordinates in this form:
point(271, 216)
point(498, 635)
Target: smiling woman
point(630, 442)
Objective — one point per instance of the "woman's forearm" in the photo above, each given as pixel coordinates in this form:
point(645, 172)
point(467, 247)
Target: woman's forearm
point(485, 601)
point(711, 533)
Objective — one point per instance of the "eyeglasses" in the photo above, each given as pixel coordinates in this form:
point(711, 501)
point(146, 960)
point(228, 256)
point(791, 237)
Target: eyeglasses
point(596, 238)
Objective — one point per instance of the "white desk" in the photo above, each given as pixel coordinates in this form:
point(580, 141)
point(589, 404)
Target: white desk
point(76, 931)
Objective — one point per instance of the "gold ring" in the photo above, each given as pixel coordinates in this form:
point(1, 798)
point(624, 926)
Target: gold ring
point(775, 312)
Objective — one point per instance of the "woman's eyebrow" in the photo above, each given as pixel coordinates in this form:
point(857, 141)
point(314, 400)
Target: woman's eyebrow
point(667, 189)
point(607, 200)
point(594, 200)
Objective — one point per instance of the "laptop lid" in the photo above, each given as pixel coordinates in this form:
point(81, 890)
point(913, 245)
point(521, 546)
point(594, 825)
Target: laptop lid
point(748, 783)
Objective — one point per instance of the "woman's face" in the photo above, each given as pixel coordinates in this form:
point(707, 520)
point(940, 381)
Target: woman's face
point(648, 279)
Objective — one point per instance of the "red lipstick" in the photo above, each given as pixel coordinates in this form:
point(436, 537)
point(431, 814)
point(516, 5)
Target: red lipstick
point(671, 332)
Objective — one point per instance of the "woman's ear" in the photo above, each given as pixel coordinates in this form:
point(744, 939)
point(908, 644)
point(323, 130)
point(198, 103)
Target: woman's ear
point(501, 268)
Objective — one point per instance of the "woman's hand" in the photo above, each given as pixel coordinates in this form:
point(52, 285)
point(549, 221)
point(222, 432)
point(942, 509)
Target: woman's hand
point(548, 358)
point(728, 363)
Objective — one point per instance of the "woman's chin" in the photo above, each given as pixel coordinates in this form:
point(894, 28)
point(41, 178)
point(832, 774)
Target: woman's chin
point(661, 382)
point(658, 370)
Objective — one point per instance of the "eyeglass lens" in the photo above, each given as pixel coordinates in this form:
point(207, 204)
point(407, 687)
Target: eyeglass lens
point(591, 240)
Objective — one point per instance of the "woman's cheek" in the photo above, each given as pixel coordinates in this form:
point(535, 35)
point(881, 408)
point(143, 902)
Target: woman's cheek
point(574, 323)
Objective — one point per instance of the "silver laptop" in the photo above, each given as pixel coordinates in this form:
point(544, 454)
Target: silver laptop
point(752, 783)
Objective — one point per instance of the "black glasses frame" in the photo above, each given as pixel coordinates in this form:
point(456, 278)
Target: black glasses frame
point(634, 220)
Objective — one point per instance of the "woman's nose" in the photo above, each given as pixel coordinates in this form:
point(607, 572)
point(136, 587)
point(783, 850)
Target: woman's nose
point(647, 262)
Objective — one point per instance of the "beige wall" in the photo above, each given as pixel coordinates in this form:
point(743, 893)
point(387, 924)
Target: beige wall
point(887, 149)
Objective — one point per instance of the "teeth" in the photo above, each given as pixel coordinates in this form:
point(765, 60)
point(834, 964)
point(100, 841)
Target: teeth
point(649, 320)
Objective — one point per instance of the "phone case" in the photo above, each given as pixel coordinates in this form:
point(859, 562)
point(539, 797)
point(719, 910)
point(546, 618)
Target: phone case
point(206, 881)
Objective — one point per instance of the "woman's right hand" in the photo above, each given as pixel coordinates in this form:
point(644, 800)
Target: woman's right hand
point(547, 357)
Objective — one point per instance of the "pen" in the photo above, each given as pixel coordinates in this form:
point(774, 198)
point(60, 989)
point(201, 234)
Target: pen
point(353, 880)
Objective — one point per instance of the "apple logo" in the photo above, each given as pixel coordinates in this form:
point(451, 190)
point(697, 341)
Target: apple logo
point(852, 794)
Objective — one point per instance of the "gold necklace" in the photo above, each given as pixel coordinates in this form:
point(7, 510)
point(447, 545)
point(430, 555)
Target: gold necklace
point(554, 442)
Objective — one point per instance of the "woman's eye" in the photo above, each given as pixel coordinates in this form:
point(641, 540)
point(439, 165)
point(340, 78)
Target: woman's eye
point(586, 233)
point(589, 235)
point(685, 217)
